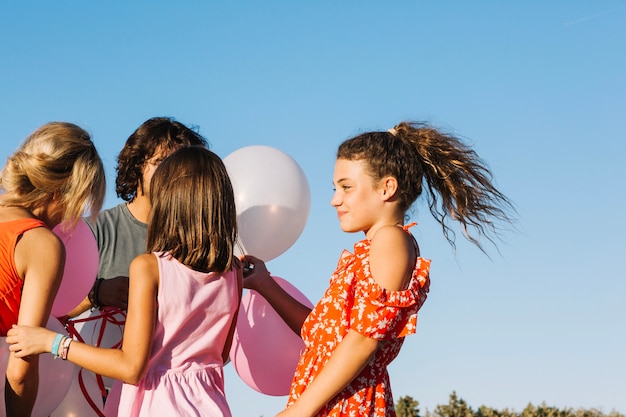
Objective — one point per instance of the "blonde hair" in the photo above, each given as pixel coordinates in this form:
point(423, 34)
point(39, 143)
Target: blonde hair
point(56, 162)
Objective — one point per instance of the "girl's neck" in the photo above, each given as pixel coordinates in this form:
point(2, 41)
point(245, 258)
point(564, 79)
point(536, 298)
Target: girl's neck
point(369, 233)
point(8, 213)
point(42, 215)
point(389, 216)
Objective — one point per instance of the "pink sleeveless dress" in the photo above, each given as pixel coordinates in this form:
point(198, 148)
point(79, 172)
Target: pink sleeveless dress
point(185, 376)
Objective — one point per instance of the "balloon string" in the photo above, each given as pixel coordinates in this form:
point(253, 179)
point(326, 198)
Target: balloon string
point(240, 246)
point(108, 315)
point(86, 394)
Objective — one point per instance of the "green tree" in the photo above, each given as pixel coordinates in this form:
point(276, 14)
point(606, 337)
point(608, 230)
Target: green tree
point(544, 410)
point(457, 407)
point(593, 412)
point(407, 407)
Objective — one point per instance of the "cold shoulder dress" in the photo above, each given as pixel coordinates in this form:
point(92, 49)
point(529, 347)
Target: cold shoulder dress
point(355, 301)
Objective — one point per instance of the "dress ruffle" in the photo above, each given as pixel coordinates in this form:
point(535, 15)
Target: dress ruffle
point(355, 301)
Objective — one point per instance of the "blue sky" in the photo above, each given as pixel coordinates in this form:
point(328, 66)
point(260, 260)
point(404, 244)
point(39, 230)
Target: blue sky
point(538, 88)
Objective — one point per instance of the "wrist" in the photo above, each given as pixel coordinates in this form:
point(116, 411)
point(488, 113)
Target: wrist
point(93, 295)
point(301, 408)
point(264, 282)
point(65, 348)
point(56, 344)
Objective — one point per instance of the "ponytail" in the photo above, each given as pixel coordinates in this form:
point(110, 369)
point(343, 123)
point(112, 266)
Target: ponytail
point(459, 184)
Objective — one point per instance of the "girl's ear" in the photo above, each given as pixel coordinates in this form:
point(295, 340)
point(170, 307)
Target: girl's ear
point(389, 188)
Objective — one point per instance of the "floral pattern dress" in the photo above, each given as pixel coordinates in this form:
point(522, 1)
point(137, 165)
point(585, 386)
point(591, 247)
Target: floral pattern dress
point(355, 301)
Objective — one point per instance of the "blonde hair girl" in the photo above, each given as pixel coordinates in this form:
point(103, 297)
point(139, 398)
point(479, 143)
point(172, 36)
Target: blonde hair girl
point(54, 177)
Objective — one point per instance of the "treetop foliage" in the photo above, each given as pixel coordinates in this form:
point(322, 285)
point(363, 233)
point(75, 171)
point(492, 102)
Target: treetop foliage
point(408, 407)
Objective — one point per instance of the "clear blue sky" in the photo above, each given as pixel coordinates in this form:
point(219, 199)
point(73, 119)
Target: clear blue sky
point(538, 87)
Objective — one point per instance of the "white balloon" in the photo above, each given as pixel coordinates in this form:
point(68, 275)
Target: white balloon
point(273, 199)
point(104, 332)
point(55, 376)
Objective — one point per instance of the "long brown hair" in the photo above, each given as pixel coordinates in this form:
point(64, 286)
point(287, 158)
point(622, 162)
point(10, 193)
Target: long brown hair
point(419, 155)
point(193, 213)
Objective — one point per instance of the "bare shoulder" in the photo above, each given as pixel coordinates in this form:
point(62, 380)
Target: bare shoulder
point(40, 253)
point(145, 266)
point(393, 236)
point(145, 259)
point(41, 240)
point(391, 255)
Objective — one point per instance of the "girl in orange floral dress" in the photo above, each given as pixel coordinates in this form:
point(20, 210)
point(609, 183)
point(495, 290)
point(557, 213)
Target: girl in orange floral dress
point(359, 325)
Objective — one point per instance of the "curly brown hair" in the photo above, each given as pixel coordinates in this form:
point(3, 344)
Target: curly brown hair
point(419, 155)
point(154, 135)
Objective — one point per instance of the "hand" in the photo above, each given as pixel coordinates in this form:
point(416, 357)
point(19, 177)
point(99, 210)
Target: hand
point(113, 292)
point(292, 412)
point(254, 272)
point(29, 340)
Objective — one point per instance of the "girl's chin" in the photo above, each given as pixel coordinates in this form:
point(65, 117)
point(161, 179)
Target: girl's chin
point(348, 229)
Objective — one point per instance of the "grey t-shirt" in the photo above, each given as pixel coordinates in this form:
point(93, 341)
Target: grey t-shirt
point(120, 239)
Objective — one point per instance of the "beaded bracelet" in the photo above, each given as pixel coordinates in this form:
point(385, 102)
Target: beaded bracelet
point(55, 345)
point(66, 348)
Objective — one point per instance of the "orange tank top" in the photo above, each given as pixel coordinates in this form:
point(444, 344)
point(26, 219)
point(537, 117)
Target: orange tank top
point(10, 281)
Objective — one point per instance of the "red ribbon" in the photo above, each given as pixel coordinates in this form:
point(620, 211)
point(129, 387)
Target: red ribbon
point(108, 316)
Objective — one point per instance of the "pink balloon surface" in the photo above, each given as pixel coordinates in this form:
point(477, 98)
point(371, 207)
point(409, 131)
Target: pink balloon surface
point(265, 351)
point(113, 400)
point(75, 402)
point(81, 267)
point(55, 377)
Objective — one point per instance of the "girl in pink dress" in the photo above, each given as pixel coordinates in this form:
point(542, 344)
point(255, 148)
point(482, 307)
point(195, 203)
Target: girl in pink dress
point(184, 296)
point(359, 325)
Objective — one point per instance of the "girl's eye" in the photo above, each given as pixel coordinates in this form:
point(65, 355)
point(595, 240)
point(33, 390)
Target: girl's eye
point(342, 187)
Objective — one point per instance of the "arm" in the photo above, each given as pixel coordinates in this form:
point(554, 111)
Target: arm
point(81, 308)
point(233, 325)
point(288, 308)
point(126, 364)
point(391, 261)
point(112, 292)
point(346, 362)
point(39, 259)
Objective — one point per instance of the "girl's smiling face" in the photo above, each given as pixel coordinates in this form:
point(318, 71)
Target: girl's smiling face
point(357, 200)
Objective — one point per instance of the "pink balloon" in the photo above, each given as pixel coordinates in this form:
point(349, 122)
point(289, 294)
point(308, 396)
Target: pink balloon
point(75, 402)
point(81, 267)
point(55, 377)
point(113, 400)
point(265, 351)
